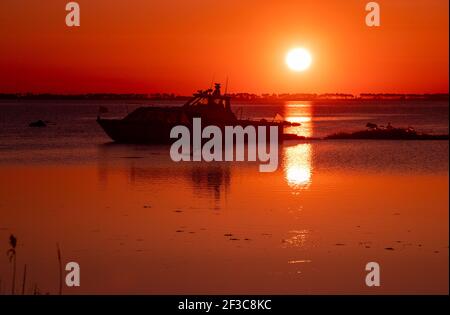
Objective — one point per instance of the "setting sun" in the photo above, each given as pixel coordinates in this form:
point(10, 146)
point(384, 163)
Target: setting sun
point(298, 59)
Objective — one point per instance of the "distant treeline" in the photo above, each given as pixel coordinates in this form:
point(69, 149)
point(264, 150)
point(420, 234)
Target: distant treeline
point(235, 96)
point(338, 96)
point(93, 96)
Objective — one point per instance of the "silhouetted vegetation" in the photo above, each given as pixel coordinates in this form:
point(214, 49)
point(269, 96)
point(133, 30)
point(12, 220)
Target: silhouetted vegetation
point(94, 96)
point(386, 133)
point(11, 253)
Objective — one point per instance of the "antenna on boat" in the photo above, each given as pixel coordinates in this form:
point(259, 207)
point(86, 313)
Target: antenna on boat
point(226, 86)
point(212, 81)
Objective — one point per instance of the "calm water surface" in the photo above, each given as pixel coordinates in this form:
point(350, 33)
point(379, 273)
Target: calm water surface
point(137, 222)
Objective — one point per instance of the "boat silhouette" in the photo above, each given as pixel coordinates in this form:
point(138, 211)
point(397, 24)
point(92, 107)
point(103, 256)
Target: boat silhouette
point(150, 124)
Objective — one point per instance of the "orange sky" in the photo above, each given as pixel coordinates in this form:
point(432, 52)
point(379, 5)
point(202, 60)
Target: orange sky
point(146, 46)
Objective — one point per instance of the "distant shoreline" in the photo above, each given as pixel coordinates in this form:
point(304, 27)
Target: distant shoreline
point(247, 97)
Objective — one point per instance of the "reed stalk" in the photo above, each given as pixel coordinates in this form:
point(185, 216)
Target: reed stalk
point(60, 268)
point(12, 257)
point(24, 280)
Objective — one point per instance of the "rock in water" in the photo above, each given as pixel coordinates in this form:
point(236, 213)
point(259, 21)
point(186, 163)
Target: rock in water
point(38, 123)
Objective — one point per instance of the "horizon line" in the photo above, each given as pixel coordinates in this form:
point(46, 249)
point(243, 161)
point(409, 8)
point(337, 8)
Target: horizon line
point(242, 97)
point(263, 94)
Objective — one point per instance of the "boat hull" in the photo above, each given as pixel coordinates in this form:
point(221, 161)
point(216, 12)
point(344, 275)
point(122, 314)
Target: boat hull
point(123, 131)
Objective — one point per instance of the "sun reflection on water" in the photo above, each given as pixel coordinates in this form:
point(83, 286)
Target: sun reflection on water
point(296, 239)
point(300, 113)
point(297, 165)
point(297, 159)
